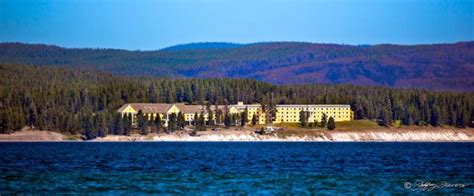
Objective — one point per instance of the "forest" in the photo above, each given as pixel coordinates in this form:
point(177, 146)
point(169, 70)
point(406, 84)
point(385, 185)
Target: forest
point(436, 67)
point(84, 102)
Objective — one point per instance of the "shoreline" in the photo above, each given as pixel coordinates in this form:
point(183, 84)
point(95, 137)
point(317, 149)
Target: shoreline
point(383, 135)
point(265, 141)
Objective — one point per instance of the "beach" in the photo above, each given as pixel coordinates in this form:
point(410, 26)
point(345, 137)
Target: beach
point(381, 135)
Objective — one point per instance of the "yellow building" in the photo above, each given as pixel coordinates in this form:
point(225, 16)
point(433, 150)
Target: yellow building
point(292, 113)
point(151, 110)
point(252, 109)
point(284, 113)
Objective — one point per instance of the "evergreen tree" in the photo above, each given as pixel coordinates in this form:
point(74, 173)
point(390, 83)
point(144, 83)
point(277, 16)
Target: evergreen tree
point(128, 122)
point(201, 123)
point(435, 117)
point(181, 120)
point(386, 118)
point(210, 120)
point(452, 116)
point(331, 123)
point(151, 124)
point(462, 119)
point(304, 115)
point(471, 124)
point(227, 120)
point(158, 123)
point(142, 120)
point(5, 125)
point(244, 117)
point(102, 120)
point(324, 120)
point(234, 119)
point(172, 124)
point(254, 119)
point(219, 117)
point(196, 119)
point(88, 128)
point(410, 116)
point(33, 115)
point(41, 124)
point(315, 123)
point(119, 125)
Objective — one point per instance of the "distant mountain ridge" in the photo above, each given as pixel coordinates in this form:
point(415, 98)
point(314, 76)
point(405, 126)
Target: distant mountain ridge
point(202, 45)
point(436, 66)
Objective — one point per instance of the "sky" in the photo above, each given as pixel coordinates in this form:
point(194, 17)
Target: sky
point(149, 25)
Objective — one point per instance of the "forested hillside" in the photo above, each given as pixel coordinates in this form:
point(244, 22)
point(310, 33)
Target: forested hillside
point(439, 66)
point(85, 102)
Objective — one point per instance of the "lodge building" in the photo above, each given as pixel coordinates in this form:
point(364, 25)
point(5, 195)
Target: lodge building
point(283, 113)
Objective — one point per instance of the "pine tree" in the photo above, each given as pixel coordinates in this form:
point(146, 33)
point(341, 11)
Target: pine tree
point(304, 118)
point(196, 119)
point(33, 116)
point(386, 118)
point(219, 117)
point(462, 118)
point(128, 123)
point(181, 120)
point(451, 116)
point(315, 123)
point(210, 120)
point(102, 120)
point(201, 123)
point(142, 121)
point(234, 119)
point(227, 120)
point(5, 125)
point(254, 119)
point(172, 123)
point(119, 125)
point(244, 117)
point(158, 123)
point(88, 127)
point(75, 125)
point(331, 123)
point(471, 124)
point(324, 120)
point(41, 124)
point(435, 117)
point(151, 124)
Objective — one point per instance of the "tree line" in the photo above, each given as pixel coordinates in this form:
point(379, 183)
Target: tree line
point(85, 102)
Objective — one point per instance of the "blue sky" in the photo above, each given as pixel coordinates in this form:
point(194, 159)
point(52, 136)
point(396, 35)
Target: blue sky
point(146, 24)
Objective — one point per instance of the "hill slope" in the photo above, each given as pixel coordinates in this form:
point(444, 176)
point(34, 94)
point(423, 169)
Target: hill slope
point(439, 66)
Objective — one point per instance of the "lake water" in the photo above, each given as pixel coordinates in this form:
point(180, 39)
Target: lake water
point(236, 167)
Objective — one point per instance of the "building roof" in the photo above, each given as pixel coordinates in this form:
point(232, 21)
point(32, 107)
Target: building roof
point(319, 105)
point(148, 107)
point(201, 108)
point(248, 106)
point(191, 108)
point(165, 107)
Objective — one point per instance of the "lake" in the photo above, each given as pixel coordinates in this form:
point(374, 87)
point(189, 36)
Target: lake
point(236, 167)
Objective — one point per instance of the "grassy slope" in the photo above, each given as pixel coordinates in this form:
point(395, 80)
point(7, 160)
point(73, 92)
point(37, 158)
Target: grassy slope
point(295, 129)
